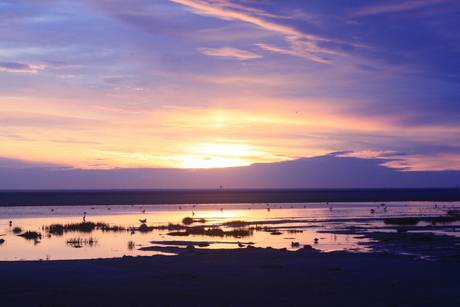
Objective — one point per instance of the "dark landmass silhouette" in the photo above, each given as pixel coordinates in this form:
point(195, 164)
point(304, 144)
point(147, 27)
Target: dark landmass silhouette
point(215, 196)
point(329, 172)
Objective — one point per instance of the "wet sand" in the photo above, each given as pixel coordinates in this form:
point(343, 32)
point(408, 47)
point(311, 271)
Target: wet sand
point(246, 276)
point(243, 277)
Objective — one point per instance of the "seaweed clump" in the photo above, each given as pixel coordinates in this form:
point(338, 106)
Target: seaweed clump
point(31, 235)
point(145, 228)
point(17, 230)
point(189, 220)
point(59, 229)
point(236, 223)
point(401, 221)
point(443, 220)
point(79, 242)
point(213, 232)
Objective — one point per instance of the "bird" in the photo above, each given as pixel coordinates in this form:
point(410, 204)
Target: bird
point(240, 244)
point(295, 244)
point(316, 240)
point(143, 221)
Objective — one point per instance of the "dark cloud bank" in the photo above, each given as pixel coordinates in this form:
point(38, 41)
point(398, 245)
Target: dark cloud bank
point(327, 171)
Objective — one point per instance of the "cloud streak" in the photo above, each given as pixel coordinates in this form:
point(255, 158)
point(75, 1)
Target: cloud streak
point(317, 172)
point(229, 53)
point(395, 8)
point(17, 67)
point(198, 83)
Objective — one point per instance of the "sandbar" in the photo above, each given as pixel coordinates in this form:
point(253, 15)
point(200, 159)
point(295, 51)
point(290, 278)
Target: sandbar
point(236, 277)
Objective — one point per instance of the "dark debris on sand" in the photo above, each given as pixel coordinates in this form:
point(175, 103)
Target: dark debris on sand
point(239, 277)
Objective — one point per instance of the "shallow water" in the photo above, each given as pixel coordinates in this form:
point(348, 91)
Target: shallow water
point(300, 223)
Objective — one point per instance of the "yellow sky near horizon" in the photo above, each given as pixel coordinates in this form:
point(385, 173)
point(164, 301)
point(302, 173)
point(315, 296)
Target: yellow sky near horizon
point(204, 84)
point(264, 130)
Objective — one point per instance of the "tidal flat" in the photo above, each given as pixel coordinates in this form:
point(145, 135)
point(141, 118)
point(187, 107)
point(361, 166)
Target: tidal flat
point(402, 253)
point(104, 231)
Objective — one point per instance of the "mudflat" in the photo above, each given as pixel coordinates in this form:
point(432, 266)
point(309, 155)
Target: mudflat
point(239, 277)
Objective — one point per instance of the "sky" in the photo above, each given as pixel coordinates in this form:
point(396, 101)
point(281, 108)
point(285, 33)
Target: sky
point(107, 86)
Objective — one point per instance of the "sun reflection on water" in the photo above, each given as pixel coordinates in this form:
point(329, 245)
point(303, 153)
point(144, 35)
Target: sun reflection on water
point(274, 225)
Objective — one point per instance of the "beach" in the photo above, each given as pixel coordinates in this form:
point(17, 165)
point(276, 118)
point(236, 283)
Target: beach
point(396, 263)
point(242, 277)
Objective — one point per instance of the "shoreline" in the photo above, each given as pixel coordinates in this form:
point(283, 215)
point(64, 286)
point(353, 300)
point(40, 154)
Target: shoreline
point(241, 277)
point(221, 196)
point(387, 275)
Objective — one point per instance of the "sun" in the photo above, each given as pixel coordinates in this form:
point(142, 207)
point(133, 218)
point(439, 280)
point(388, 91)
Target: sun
point(219, 155)
point(212, 162)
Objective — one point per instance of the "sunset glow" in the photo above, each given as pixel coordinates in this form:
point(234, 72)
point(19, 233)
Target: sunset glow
point(215, 84)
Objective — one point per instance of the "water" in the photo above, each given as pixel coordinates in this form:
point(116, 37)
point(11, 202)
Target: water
point(300, 222)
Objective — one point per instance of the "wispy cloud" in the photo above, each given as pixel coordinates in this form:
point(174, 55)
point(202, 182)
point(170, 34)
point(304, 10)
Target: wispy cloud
point(402, 6)
point(35, 119)
point(61, 65)
point(222, 8)
point(17, 67)
point(225, 10)
point(302, 43)
point(303, 49)
point(147, 83)
point(229, 53)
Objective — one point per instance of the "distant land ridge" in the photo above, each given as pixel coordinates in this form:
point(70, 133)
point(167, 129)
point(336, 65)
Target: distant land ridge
point(210, 196)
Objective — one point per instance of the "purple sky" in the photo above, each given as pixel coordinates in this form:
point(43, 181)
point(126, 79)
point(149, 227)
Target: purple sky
point(146, 87)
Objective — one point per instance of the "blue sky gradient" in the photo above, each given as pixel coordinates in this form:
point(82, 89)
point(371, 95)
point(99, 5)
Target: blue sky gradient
point(187, 84)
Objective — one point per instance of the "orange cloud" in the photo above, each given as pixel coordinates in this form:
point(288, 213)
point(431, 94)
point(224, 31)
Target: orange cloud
point(17, 67)
point(230, 53)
